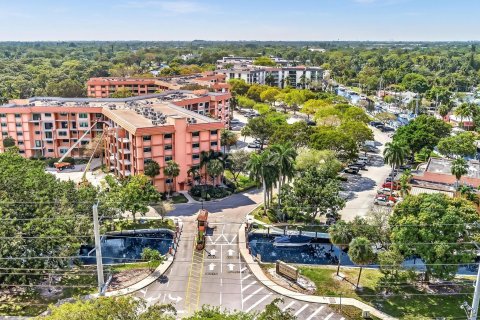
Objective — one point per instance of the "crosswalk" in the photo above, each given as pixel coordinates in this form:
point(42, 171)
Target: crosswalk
point(255, 297)
point(194, 284)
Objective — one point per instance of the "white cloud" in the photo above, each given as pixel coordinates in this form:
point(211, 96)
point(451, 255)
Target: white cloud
point(175, 7)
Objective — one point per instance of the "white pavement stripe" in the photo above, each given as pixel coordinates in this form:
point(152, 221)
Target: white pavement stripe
point(288, 306)
point(249, 285)
point(305, 306)
point(246, 277)
point(329, 316)
point(315, 313)
point(253, 294)
point(342, 318)
point(243, 269)
point(258, 302)
point(233, 239)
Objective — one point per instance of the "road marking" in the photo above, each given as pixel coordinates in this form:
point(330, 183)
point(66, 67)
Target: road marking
point(342, 318)
point(305, 306)
point(240, 276)
point(258, 302)
point(288, 305)
point(329, 316)
point(315, 313)
point(251, 295)
point(233, 239)
point(243, 269)
point(248, 286)
point(246, 277)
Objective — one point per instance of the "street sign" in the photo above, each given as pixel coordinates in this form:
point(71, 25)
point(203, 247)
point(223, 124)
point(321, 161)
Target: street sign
point(286, 270)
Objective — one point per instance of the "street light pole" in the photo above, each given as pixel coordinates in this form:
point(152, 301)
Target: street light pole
point(98, 249)
point(476, 296)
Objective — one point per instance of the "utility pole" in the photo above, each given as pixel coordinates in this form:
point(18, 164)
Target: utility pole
point(416, 104)
point(98, 250)
point(476, 296)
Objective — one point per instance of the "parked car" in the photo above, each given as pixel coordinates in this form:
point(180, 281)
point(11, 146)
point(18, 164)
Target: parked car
point(387, 129)
point(351, 170)
point(389, 185)
point(253, 145)
point(375, 123)
point(361, 164)
point(364, 159)
point(387, 191)
point(311, 122)
point(405, 167)
point(384, 201)
point(379, 126)
point(235, 121)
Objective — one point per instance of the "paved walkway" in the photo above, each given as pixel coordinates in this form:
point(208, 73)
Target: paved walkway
point(260, 275)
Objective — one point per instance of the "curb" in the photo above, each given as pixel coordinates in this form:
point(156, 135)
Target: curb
point(255, 269)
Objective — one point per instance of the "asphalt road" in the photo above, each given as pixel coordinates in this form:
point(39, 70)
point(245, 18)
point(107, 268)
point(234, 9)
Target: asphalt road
point(218, 276)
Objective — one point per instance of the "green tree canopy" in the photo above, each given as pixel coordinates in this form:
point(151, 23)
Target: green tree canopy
point(462, 144)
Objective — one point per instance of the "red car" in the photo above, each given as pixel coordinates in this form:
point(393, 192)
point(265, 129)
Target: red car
point(386, 197)
point(388, 185)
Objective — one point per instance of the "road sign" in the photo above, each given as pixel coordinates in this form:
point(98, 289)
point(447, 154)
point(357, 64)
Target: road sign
point(286, 270)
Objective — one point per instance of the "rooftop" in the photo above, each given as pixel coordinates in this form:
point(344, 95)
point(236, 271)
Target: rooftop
point(438, 172)
point(442, 166)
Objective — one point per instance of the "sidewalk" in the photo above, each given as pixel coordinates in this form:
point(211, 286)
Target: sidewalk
point(189, 197)
point(260, 275)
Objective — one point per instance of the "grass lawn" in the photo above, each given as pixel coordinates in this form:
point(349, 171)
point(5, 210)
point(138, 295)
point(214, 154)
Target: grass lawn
point(243, 182)
point(408, 303)
point(137, 265)
point(179, 198)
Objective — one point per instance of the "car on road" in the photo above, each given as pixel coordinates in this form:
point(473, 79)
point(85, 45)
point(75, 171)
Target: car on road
point(389, 185)
point(351, 170)
point(387, 129)
point(375, 123)
point(235, 121)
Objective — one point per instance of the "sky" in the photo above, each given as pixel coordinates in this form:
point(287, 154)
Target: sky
point(159, 20)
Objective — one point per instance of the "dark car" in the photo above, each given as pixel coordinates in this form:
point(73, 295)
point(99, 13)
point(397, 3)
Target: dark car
point(387, 129)
point(405, 167)
point(311, 122)
point(351, 170)
point(375, 123)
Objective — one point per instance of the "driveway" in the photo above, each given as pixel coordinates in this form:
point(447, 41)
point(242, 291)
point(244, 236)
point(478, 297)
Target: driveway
point(361, 190)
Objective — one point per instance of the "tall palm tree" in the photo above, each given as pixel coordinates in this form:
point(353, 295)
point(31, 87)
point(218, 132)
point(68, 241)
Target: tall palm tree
point(458, 169)
point(215, 168)
point(340, 235)
point(260, 167)
point(465, 110)
point(361, 253)
point(284, 156)
point(171, 170)
point(395, 154)
point(194, 172)
point(152, 169)
point(227, 139)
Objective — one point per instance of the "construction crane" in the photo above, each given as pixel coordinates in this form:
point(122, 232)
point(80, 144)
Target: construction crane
point(60, 165)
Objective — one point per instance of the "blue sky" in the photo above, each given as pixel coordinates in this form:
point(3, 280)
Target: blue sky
point(395, 20)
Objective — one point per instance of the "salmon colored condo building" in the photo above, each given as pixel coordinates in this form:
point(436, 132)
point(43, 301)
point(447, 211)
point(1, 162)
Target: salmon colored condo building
point(174, 125)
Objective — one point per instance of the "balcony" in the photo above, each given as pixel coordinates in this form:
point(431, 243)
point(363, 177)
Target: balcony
point(124, 151)
point(111, 158)
point(123, 140)
point(125, 162)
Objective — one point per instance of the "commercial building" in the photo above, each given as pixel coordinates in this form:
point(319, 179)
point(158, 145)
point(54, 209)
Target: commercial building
point(297, 77)
point(105, 87)
point(174, 125)
point(247, 62)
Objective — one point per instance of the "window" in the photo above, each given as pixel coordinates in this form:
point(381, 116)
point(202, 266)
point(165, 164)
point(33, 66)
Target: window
point(21, 151)
point(18, 124)
point(213, 132)
point(74, 125)
point(213, 144)
point(4, 133)
point(147, 149)
point(48, 115)
point(50, 150)
point(83, 143)
point(73, 114)
point(17, 115)
point(3, 115)
point(19, 133)
point(167, 136)
point(48, 135)
point(66, 140)
point(147, 160)
point(168, 180)
point(73, 132)
point(195, 156)
point(83, 115)
point(37, 132)
point(4, 124)
point(168, 147)
point(195, 145)
point(168, 158)
point(63, 114)
point(36, 116)
point(20, 143)
point(62, 151)
point(38, 143)
point(147, 138)
point(48, 125)
point(62, 133)
point(83, 124)
point(196, 134)
point(64, 124)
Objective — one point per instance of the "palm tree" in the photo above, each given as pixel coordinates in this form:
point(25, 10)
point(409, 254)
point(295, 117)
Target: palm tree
point(405, 183)
point(361, 253)
point(465, 110)
point(260, 167)
point(458, 169)
point(284, 156)
point(394, 154)
point(227, 139)
point(171, 170)
point(340, 235)
point(194, 172)
point(151, 169)
point(215, 168)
